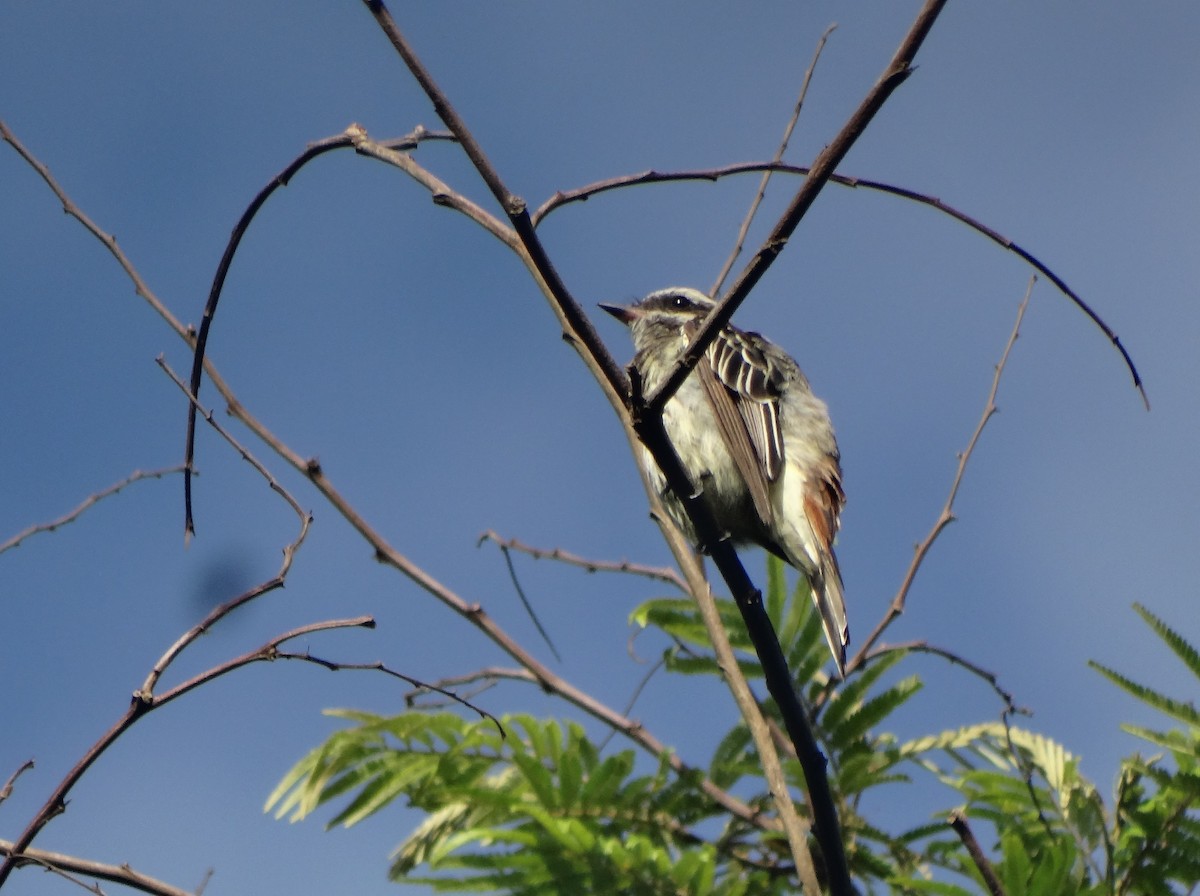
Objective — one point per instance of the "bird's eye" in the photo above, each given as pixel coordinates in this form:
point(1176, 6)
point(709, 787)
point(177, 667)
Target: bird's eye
point(681, 303)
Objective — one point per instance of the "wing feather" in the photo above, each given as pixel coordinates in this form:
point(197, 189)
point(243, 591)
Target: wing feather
point(743, 394)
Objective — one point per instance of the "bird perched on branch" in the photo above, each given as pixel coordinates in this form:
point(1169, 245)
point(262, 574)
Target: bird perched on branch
point(754, 440)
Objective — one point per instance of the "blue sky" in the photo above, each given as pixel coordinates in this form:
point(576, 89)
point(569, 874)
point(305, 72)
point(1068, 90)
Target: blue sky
point(408, 351)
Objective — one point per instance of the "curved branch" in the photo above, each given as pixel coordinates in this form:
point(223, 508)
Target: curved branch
point(895, 74)
point(88, 502)
point(117, 874)
point(582, 194)
point(740, 242)
point(946, 517)
point(144, 700)
point(312, 151)
point(142, 704)
point(663, 574)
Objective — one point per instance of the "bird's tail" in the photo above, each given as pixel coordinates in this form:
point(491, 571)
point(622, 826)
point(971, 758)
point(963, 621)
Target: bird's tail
point(827, 595)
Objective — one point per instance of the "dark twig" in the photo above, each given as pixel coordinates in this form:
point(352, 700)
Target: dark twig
point(7, 789)
point(822, 168)
point(766, 178)
point(144, 699)
point(658, 573)
point(646, 416)
point(379, 666)
point(91, 500)
point(106, 239)
point(990, 678)
point(946, 517)
point(958, 821)
point(581, 331)
point(537, 623)
point(714, 174)
point(143, 702)
point(118, 874)
point(319, 148)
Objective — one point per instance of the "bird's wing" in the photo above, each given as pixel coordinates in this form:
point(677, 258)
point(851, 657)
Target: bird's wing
point(823, 502)
point(745, 400)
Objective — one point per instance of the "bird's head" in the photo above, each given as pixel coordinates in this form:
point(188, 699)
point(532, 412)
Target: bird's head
point(663, 312)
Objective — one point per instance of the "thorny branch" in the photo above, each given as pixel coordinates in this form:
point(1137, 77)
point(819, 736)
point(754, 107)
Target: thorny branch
point(118, 874)
point(144, 699)
point(549, 682)
point(664, 574)
point(766, 178)
point(88, 502)
point(946, 517)
point(282, 179)
point(958, 821)
point(582, 194)
point(819, 173)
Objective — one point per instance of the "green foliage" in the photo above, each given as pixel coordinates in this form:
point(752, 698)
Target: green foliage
point(544, 809)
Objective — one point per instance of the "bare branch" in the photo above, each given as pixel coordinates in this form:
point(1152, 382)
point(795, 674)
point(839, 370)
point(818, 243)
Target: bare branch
point(109, 241)
point(658, 573)
point(144, 702)
point(579, 327)
point(91, 500)
point(312, 151)
point(766, 178)
point(582, 194)
point(379, 666)
point(184, 332)
point(118, 874)
point(820, 171)
point(537, 623)
point(946, 517)
point(266, 653)
point(958, 821)
point(990, 678)
point(7, 789)
point(289, 551)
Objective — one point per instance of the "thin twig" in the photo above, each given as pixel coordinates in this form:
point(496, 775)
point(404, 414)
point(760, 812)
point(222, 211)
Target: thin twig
point(958, 821)
point(379, 666)
point(582, 194)
point(947, 515)
point(144, 702)
point(795, 828)
point(658, 573)
point(762, 186)
point(312, 151)
point(990, 678)
point(895, 74)
point(107, 240)
point(7, 789)
point(579, 327)
point(186, 333)
point(144, 699)
point(91, 500)
point(537, 623)
point(119, 874)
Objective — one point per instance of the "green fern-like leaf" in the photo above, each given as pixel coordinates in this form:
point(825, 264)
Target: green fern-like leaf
point(1178, 644)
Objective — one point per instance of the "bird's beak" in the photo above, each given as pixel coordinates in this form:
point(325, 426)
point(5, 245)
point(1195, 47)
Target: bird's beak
point(624, 313)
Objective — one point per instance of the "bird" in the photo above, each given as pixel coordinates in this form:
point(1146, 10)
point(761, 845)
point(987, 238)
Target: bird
point(754, 440)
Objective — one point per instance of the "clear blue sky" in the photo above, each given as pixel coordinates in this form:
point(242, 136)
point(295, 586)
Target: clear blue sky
point(406, 349)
